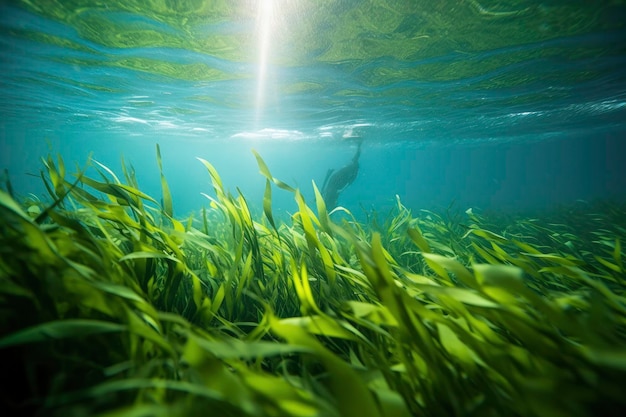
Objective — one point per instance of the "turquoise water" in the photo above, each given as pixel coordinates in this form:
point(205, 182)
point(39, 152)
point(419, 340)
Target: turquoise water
point(500, 105)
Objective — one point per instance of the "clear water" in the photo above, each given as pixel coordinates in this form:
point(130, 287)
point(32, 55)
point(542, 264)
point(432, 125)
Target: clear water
point(500, 105)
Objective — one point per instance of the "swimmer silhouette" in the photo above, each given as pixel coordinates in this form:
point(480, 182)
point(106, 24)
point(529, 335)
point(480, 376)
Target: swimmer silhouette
point(336, 182)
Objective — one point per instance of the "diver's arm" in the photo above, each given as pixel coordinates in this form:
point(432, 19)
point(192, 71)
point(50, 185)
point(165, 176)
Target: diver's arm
point(357, 155)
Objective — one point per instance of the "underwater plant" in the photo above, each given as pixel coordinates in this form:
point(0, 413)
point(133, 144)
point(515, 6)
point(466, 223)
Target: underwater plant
point(110, 306)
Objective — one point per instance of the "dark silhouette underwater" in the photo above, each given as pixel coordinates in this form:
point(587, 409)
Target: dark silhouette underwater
point(337, 181)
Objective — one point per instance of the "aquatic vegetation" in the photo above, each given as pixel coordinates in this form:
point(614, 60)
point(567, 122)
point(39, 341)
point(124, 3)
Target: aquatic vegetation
point(112, 307)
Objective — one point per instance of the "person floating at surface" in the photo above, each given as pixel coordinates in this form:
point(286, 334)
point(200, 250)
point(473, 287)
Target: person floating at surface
point(336, 182)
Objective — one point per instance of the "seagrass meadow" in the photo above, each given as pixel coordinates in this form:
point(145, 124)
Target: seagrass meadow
point(111, 306)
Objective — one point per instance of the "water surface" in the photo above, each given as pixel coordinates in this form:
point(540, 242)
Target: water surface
point(504, 105)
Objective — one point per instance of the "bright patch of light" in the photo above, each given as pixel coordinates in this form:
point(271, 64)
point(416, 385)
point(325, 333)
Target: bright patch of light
point(165, 124)
point(343, 131)
point(524, 114)
point(270, 134)
point(127, 119)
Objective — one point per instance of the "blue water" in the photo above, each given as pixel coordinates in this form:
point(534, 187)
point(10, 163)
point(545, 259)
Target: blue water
point(527, 118)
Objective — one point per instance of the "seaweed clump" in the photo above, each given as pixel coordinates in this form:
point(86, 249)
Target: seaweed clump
point(110, 306)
